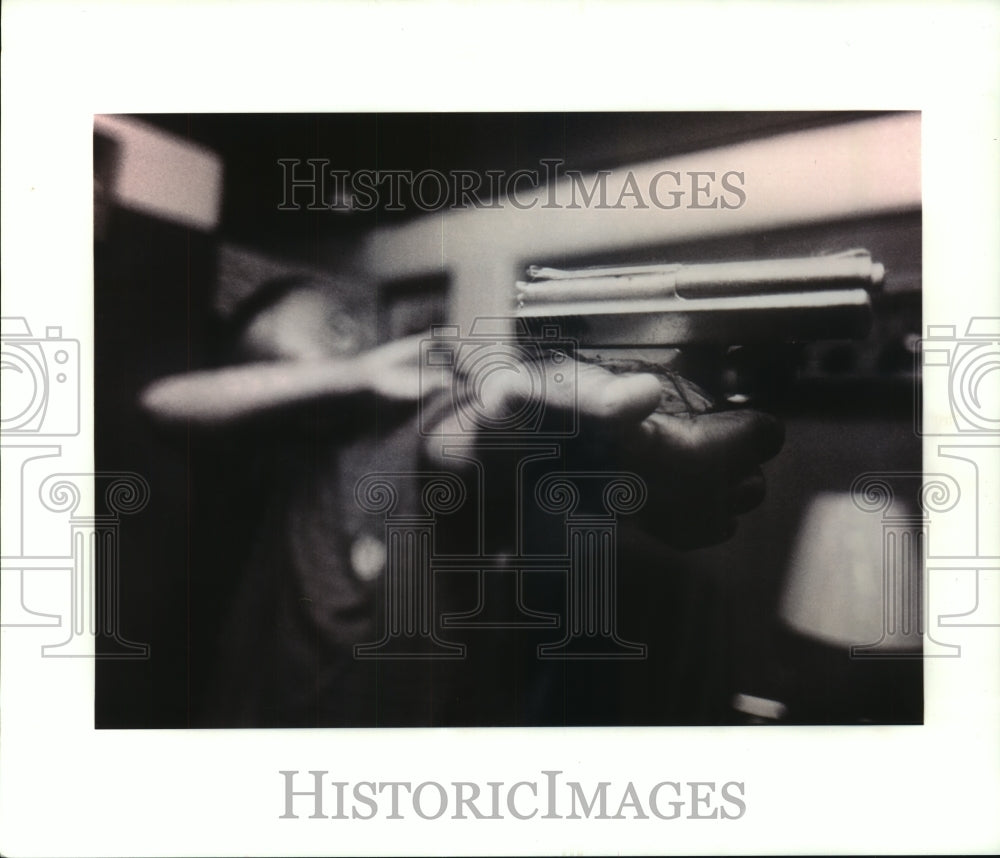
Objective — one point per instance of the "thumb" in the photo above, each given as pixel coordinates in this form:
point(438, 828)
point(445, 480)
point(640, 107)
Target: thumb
point(725, 441)
point(589, 391)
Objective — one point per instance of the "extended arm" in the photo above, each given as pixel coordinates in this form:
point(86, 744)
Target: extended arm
point(215, 398)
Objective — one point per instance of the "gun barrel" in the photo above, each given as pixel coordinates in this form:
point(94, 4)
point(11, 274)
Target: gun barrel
point(727, 302)
point(712, 280)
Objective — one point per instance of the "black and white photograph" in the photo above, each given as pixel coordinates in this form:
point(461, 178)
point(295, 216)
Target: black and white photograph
point(511, 419)
point(436, 428)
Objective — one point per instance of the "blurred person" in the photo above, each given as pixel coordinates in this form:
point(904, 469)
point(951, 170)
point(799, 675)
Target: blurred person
point(307, 407)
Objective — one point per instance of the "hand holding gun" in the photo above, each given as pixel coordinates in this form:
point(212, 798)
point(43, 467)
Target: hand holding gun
point(645, 318)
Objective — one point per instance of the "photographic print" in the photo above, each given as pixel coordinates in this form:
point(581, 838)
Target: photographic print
point(537, 419)
point(528, 429)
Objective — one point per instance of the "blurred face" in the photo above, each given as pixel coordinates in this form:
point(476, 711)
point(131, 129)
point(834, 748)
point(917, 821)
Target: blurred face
point(304, 324)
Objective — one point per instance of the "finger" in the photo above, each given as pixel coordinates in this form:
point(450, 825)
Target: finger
point(726, 442)
point(562, 386)
point(606, 397)
point(588, 391)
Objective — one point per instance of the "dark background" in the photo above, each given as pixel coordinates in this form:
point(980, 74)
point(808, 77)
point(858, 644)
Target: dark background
point(850, 412)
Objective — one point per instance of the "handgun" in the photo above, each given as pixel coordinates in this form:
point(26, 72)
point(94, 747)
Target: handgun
point(731, 326)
